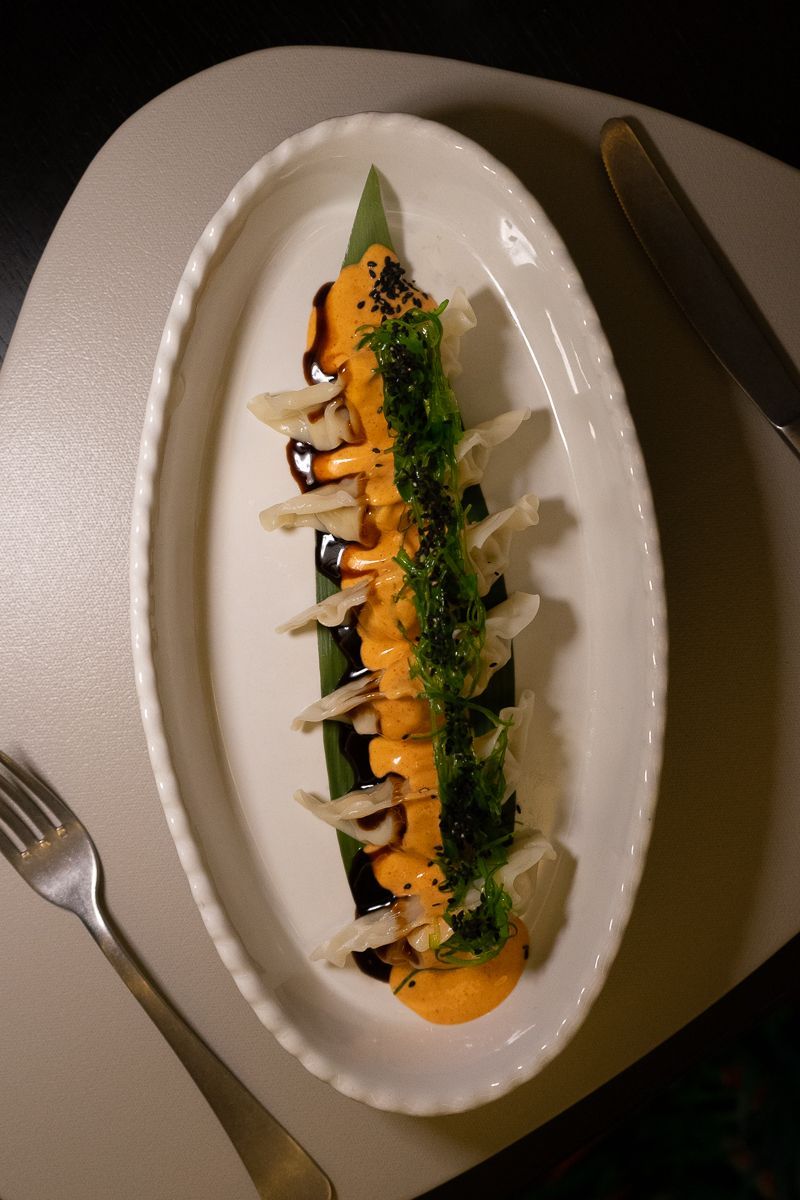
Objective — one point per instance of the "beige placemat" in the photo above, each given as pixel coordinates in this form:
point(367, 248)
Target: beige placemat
point(93, 1103)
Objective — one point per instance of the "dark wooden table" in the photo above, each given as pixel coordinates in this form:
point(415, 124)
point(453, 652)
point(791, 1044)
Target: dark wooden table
point(72, 75)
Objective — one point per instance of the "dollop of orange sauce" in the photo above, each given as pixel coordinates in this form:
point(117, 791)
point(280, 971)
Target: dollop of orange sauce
point(447, 996)
point(387, 625)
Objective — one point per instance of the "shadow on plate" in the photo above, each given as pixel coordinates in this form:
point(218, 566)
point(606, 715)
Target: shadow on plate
point(713, 814)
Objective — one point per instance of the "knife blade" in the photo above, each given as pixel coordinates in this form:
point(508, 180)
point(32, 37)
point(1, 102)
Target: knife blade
point(699, 281)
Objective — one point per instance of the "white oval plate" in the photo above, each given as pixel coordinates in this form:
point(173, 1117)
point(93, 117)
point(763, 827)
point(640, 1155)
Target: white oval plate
point(218, 687)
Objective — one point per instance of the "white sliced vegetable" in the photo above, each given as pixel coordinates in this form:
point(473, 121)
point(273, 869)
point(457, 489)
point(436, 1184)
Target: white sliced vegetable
point(346, 813)
point(289, 413)
point(333, 508)
point(521, 715)
point(529, 849)
point(374, 929)
point(271, 406)
point(365, 719)
point(489, 541)
point(333, 609)
point(352, 807)
point(475, 447)
point(503, 623)
point(341, 701)
point(388, 830)
point(429, 936)
point(457, 319)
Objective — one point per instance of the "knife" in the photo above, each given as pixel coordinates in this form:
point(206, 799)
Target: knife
point(699, 281)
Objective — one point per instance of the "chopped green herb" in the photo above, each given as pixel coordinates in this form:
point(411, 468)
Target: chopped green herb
point(425, 424)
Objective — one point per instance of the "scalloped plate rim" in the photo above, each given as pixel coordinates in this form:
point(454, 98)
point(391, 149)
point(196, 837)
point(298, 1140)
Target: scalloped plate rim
point(213, 913)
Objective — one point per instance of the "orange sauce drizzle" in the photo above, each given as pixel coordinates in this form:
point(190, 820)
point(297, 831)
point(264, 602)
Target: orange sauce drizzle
point(387, 624)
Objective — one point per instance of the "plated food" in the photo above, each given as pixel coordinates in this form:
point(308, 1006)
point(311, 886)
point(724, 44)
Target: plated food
point(218, 687)
point(388, 476)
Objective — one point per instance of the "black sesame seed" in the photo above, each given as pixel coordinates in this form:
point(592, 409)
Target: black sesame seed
point(372, 264)
point(412, 983)
point(407, 887)
point(361, 304)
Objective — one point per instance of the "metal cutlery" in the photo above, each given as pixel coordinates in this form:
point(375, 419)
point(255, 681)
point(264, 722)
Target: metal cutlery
point(698, 280)
point(48, 846)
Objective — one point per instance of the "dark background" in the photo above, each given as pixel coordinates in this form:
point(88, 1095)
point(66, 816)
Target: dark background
point(70, 76)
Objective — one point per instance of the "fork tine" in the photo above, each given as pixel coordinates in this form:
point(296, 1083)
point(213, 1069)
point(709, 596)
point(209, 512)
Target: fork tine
point(19, 829)
point(8, 848)
point(48, 804)
point(18, 800)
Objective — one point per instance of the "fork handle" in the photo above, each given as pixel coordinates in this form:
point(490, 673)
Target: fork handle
point(280, 1168)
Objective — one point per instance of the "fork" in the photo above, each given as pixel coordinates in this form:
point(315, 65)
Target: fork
point(52, 851)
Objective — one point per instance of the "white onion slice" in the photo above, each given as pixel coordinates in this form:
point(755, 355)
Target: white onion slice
point(457, 319)
point(503, 623)
point(373, 930)
point(271, 406)
point(289, 413)
point(332, 610)
point(350, 695)
point(489, 541)
point(334, 508)
point(528, 850)
point(520, 715)
point(475, 447)
point(352, 807)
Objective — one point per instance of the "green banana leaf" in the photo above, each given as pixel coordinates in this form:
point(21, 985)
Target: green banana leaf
point(371, 227)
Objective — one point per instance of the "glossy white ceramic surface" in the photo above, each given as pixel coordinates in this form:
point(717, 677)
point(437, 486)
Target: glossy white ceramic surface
point(218, 688)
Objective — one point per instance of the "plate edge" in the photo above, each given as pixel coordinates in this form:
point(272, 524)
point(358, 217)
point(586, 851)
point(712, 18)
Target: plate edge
point(217, 924)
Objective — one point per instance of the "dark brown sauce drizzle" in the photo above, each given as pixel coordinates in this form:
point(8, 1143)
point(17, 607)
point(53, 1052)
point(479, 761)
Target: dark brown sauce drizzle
point(372, 821)
point(311, 368)
point(355, 748)
point(369, 962)
point(329, 556)
point(349, 642)
point(367, 892)
point(368, 895)
point(300, 456)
